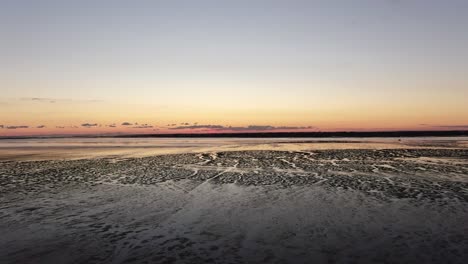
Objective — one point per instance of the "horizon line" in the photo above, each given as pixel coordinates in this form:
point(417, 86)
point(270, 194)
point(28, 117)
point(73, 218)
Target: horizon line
point(298, 134)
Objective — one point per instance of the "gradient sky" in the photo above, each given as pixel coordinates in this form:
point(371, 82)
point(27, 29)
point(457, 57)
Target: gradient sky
point(272, 65)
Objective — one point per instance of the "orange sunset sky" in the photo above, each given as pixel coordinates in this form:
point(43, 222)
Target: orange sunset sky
point(76, 67)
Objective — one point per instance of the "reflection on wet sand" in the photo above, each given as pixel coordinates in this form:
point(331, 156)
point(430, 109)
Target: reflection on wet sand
point(82, 148)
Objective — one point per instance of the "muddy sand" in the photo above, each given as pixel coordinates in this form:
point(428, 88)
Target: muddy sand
point(338, 206)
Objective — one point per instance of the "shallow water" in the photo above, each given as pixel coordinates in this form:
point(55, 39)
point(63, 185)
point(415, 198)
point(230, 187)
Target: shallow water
point(79, 148)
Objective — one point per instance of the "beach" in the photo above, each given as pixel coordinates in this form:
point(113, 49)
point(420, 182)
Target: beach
point(281, 201)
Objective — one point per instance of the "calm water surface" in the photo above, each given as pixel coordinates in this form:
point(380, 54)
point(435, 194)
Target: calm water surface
point(77, 148)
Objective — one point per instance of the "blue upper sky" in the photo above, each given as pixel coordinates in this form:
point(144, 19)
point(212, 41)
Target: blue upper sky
point(268, 55)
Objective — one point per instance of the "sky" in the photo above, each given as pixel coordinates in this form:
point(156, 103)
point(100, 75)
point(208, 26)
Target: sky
point(75, 67)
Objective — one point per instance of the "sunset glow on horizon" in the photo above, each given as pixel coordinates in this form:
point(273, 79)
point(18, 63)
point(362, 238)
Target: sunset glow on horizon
point(121, 67)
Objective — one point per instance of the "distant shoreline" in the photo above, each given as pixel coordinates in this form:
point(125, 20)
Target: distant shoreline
point(341, 134)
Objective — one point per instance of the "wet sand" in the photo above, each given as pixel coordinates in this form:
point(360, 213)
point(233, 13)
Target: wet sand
point(400, 205)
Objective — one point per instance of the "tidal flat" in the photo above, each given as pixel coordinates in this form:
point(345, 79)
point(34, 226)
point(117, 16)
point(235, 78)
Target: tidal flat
point(349, 205)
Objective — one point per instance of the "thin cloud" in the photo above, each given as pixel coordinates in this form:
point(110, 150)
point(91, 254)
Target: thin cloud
point(127, 124)
point(60, 127)
point(42, 100)
point(446, 126)
point(17, 127)
point(293, 127)
point(53, 100)
point(112, 125)
point(143, 126)
point(454, 126)
point(253, 127)
point(88, 125)
point(1, 126)
point(242, 128)
point(41, 126)
point(198, 127)
point(268, 128)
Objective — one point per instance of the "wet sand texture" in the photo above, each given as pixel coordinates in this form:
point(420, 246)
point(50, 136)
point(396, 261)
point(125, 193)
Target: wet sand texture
point(345, 206)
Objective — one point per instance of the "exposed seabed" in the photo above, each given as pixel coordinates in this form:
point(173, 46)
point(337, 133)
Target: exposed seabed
point(345, 206)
